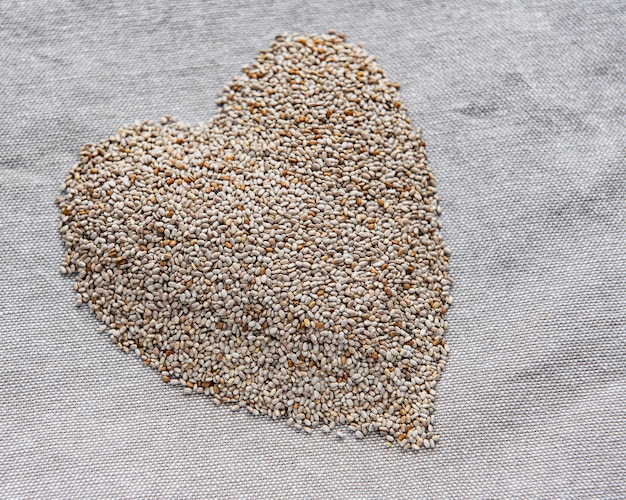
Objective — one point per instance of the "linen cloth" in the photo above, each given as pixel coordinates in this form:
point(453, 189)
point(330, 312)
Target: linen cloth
point(522, 106)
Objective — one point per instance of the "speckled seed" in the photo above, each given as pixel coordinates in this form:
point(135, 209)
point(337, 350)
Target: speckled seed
point(285, 257)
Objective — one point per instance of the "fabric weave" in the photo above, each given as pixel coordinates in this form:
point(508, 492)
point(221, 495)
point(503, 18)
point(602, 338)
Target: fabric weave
point(522, 108)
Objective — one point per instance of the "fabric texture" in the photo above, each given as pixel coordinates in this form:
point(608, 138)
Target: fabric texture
point(522, 108)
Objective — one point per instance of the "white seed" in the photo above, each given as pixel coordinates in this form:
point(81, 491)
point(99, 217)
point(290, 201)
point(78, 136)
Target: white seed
point(283, 258)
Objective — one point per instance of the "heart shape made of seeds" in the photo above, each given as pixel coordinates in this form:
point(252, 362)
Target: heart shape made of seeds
point(285, 257)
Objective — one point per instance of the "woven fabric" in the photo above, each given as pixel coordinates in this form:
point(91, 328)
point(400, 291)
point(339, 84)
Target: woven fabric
point(522, 107)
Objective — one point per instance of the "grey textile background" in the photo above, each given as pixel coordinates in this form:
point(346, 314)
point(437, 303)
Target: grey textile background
point(523, 108)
